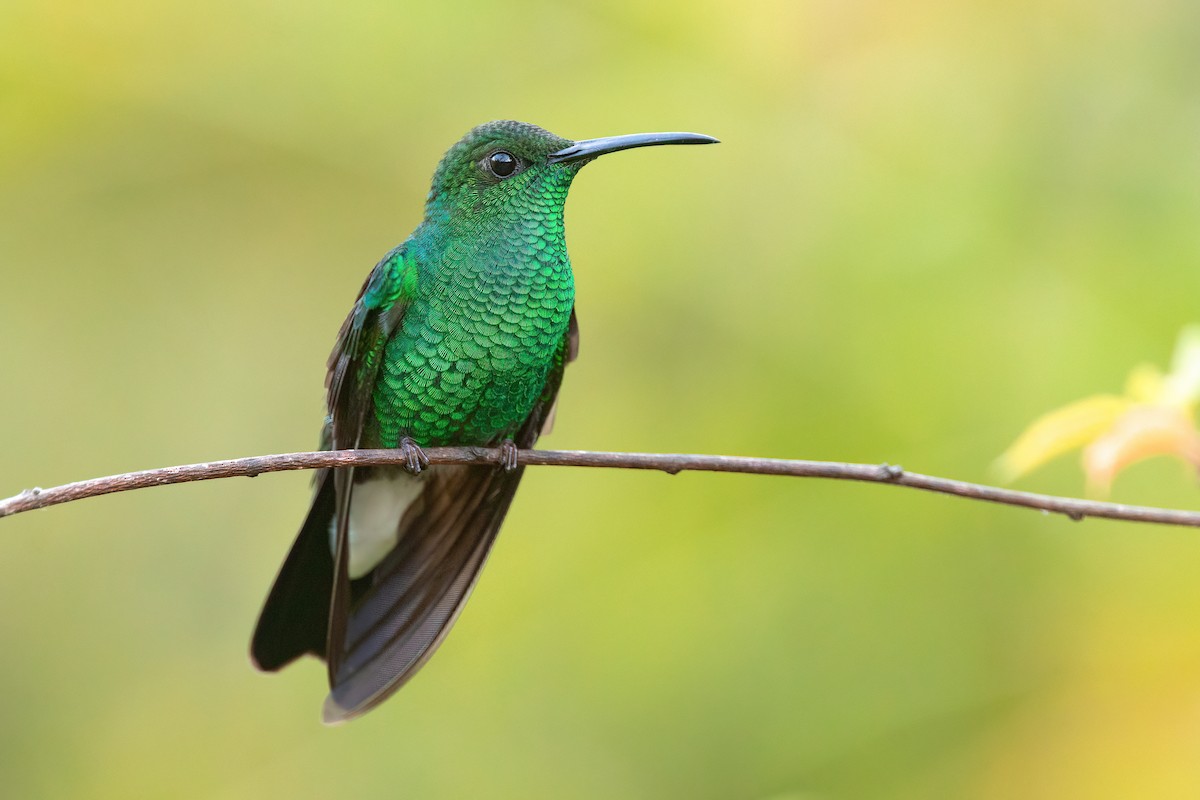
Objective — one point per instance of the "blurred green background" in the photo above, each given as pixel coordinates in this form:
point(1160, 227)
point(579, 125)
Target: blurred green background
point(927, 223)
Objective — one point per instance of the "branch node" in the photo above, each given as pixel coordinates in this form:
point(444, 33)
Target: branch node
point(1075, 516)
point(487, 455)
point(891, 472)
point(254, 467)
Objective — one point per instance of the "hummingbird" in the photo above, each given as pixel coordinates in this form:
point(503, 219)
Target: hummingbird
point(459, 336)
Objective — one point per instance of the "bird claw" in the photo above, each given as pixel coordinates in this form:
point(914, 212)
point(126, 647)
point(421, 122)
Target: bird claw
point(508, 455)
point(415, 459)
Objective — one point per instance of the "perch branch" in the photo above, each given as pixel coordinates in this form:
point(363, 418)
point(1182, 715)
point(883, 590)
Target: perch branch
point(1076, 509)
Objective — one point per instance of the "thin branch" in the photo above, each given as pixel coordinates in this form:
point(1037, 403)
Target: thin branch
point(1076, 509)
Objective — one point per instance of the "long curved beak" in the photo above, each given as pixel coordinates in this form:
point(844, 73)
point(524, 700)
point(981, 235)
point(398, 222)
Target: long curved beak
point(587, 149)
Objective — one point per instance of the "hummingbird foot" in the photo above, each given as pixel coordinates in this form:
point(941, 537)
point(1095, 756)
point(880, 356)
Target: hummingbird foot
point(415, 459)
point(508, 455)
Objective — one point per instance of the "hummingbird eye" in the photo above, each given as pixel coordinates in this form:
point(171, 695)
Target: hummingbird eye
point(501, 163)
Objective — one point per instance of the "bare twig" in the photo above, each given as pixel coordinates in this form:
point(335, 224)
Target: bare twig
point(1076, 509)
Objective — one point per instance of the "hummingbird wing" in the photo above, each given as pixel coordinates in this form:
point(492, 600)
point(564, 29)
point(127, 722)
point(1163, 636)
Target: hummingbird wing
point(295, 617)
point(353, 368)
point(354, 363)
point(417, 591)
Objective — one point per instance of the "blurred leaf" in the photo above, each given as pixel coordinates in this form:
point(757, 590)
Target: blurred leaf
point(1145, 384)
point(1154, 417)
point(1059, 432)
point(1182, 386)
point(1142, 432)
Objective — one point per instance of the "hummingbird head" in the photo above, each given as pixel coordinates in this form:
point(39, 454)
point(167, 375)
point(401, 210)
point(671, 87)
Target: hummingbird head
point(508, 167)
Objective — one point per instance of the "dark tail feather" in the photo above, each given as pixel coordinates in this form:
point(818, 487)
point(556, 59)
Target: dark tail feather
point(418, 591)
point(294, 620)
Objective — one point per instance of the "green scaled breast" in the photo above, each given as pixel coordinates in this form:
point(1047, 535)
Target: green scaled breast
point(489, 296)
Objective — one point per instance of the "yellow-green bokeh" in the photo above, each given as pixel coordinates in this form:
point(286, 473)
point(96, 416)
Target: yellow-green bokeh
point(927, 223)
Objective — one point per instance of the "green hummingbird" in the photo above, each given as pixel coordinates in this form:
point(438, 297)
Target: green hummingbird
point(459, 336)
